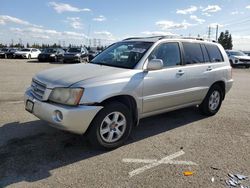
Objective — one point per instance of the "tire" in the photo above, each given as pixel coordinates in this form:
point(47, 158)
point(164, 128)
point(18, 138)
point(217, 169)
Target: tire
point(110, 139)
point(232, 65)
point(247, 66)
point(211, 106)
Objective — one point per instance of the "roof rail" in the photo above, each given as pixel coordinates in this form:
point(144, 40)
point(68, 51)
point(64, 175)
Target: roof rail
point(171, 37)
point(151, 37)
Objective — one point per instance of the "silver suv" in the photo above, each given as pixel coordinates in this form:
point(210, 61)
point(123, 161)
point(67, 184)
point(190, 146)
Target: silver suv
point(131, 80)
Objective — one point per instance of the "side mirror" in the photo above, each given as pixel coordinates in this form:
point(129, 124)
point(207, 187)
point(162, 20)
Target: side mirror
point(155, 64)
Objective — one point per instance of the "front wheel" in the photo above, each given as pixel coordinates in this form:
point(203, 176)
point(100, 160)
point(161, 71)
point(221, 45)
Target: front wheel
point(111, 126)
point(212, 102)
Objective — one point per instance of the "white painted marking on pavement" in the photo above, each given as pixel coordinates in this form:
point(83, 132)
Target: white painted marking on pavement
point(12, 93)
point(15, 102)
point(154, 163)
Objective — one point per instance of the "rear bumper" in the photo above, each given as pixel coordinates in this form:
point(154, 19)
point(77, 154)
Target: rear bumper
point(229, 85)
point(75, 119)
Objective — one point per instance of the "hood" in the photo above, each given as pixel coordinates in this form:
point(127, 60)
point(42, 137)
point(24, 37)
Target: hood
point(68, 75)
point(72, 53)
point(245, 57)
point(46, 53)
point(19, 52)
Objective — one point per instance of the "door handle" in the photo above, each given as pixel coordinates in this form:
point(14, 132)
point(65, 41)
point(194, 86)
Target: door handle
point(209, 68)
point(180, 72)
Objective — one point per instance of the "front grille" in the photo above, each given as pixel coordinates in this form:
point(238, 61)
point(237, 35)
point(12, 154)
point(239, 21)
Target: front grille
point(38, 89)
point(245, 60)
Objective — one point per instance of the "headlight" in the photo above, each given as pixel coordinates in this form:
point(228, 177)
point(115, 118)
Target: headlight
point(77, 55)
point(68, 96)
point(52, 55)
point(236, 60)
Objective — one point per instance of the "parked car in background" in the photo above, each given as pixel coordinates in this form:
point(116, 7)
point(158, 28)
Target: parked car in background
point(128, 81)
point(3, 52)
point(76, 55)
point(28, 53)
point(51, 54)
point(238, 58)
point(11, 52)
point(92, 54)
point(247, 52)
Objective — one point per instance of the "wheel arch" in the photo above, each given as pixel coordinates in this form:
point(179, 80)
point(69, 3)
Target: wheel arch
point(128, 101)
point(222, 85)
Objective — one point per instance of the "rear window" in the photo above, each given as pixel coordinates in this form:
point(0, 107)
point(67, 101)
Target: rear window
point(214, 53)
point(192, 53)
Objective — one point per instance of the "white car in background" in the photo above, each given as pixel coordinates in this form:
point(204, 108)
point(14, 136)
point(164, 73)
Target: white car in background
point(28, 53)
point(238, 58)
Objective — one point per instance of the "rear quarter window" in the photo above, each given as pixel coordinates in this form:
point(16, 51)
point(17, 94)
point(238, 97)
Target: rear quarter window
point(214, 53)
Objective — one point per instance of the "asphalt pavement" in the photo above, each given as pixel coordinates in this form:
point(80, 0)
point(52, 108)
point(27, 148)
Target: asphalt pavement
point(159, 151)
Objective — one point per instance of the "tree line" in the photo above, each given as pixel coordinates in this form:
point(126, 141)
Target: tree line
point(226, 40)
point(40, 46)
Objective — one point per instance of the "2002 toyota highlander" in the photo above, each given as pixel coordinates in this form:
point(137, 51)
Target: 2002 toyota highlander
point(131, 80)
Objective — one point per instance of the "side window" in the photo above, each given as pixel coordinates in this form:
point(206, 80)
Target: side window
point(214, 53)
point(192, 53)
point(205, 54)
point(169, 53)
point(34, 50)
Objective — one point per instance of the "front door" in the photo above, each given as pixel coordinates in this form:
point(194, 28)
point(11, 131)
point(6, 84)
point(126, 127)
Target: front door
point(165, 88)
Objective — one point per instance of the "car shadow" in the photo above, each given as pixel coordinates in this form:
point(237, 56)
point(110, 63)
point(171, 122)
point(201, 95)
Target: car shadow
point(31, 158)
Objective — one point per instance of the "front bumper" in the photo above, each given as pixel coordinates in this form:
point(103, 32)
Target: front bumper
point(46, 58)
point(71, 59)
point(20, 56)
point(75, 119)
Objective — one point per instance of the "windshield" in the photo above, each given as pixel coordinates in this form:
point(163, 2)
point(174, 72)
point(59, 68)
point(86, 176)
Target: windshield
point(123, 54)
point(237, 53)
point(50, 50)
point(5, 50)
point(25, 50)
point(75, 50)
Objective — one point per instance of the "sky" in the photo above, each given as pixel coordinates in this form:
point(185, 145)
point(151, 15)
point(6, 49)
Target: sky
point(78, 21)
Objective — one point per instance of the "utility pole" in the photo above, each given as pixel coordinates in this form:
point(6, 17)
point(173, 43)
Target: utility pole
point(209, 32)
point(217, 30)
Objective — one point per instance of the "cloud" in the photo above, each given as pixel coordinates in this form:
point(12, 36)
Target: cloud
point(158, 33)
point(100, 18)
point(248, 7)
point(195, 18)
point(48, 33)
point(236, 12)
point(168, 25)
point(5, 19)
point(63, 7)
point(105, 35)
point(212, 8)
point(189, 10)
point(206, 14)
point(74, 22)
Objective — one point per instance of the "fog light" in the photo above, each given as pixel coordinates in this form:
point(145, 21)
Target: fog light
point(58, 116)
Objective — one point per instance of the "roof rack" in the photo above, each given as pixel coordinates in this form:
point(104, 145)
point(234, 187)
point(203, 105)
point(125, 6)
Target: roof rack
point(152, 37)
point(171, 37)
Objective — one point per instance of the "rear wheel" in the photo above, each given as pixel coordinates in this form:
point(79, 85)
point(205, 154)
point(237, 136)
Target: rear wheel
point(111, 126)
point(212, 102)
